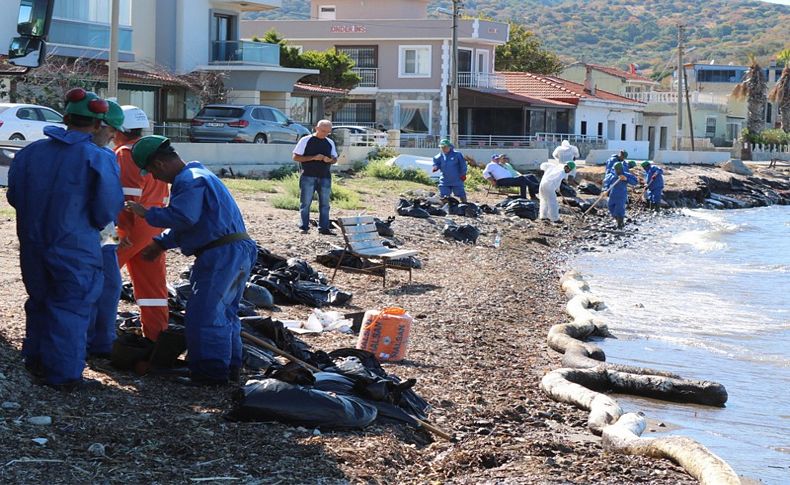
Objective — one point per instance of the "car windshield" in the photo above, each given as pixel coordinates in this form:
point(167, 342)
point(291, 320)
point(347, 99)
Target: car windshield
point(220, 112)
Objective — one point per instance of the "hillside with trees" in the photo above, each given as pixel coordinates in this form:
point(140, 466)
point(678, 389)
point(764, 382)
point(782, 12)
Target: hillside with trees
point(620, 32)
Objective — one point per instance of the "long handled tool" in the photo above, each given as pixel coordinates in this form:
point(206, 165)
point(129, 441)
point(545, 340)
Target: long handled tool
point(252, 338)
point(603, 194)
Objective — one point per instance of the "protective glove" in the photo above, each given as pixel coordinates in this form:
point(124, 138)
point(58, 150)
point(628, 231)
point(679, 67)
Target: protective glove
point(463, 178)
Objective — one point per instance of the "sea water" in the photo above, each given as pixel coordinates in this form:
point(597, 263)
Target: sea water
point(706, 294)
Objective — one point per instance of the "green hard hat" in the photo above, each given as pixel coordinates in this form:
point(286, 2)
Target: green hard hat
point(445, 143)
point(631, 164)
point(645, 164)
point(618, 166)
point(114, 116)
point(86, 103)
point(571, 165)
point(145, 147)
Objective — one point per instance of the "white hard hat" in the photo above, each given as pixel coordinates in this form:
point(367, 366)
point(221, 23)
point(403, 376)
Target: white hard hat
point(134, 117)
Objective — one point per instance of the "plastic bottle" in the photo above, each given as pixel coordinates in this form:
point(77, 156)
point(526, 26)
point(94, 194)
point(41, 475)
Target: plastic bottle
point(497, 240)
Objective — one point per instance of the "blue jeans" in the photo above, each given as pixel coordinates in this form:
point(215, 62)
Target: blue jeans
point(307, 186)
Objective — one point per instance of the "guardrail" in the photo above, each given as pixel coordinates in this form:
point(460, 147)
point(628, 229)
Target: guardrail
point(671, 97)
point(177, 132)
point(485, 80)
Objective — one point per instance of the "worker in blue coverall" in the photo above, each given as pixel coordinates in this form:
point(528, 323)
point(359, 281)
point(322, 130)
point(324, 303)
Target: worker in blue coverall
point(101, 330)
point(654, 185)
point(453, 167)
point(617, 157)
point(65, 189)
point(203, 220)
point(616, 184)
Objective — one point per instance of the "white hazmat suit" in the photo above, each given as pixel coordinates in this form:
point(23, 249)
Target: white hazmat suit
point(565, 152)
point(553, 175)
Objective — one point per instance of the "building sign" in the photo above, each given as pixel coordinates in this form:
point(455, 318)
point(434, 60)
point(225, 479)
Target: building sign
point(492, 30)
point(348, 29)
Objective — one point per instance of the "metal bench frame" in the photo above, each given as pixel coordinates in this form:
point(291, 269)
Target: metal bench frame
point(362, 240)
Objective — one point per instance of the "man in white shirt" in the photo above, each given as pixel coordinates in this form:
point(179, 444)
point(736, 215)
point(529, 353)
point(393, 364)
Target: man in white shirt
point(501, 174)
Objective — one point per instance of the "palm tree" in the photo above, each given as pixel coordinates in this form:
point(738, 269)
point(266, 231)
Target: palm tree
point(780, 94)
point(753, 88)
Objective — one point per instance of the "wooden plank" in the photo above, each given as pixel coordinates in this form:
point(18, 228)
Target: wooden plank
point(353, 221)
point(399, 253)
point(362, 236)
point(365, 245)
point(359, 229)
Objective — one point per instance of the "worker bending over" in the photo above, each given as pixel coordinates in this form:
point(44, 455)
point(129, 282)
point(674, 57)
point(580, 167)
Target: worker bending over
point(616, 184)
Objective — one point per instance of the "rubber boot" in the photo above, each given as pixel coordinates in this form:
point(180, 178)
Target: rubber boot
point(620, 222)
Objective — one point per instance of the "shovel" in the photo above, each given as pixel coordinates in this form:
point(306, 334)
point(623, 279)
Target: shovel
point(603, 194)
point(252, 338)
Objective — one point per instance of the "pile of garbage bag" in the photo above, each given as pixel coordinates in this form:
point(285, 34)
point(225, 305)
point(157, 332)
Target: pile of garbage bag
point(331, 257)
point(465, 233)
point(419, 208)
point(523, 208)
point(351, 390)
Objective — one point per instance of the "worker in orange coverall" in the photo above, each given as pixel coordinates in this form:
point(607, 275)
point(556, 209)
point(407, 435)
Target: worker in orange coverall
point(149, 278)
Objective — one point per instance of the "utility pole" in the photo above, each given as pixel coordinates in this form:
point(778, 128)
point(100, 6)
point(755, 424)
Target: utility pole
point(112, 73)
point(680, 78)
point(454, 76)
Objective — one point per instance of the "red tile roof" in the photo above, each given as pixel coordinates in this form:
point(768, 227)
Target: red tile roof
point(613, 71)
point(556, 89)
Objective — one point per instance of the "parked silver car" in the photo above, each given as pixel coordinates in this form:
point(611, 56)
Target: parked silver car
point(7, 152)
point(219, 123)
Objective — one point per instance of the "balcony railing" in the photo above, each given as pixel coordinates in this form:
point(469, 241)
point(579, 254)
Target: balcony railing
point(671, 97)
point(243, 52)
point(480, 80)
point(369, 75)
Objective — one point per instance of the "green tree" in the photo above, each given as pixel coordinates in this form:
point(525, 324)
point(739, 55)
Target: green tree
point(336, 68)
point(754, 89)
point(523, 52)
point(783, 57)
point(780, 94)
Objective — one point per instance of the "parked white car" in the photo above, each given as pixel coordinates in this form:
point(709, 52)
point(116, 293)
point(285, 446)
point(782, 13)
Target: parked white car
point(26, 121)
point(363, 136)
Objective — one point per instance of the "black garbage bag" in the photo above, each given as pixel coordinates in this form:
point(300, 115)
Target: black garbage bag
point(509, 200)
point(266, 259)
point(258, 359)
point(183, 291)
point(318, 295)
point(487, 209)
point(128, 349)
point(566, 190)
point(435, 211)
point(292, 373)
point(589, 188)
point(523, 208)
point(412, 211)
point(465, 233)
point(127, 292)
point(410, 262)
point(330, 258)
point(128, 322)
point(384, 228)
point(246, 309)
point(276, 334)
point(303, 270)
point(258, 296)
point(468, 210)
point(365, 370)
point(271, 399)
point(169, 346)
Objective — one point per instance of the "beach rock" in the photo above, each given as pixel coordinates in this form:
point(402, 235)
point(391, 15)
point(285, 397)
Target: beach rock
point(40, 420)
point(97, 449)
point(10, 405)
point(40, 441)
point(736, 166)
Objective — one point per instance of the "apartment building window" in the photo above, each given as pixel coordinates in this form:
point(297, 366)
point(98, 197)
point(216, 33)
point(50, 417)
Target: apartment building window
point(326, 12)
point(413, 116)
point(769, 111)
point(414, 61)
point(92, 11)
point(356, 112)
point(464, 60)
point(623, 130)
point(639, 133)
point(363, 56)
point(610, 127)
point(662, 138)
point(583, 129)
point(733, 129)
point(600, 129)
point(710, 127)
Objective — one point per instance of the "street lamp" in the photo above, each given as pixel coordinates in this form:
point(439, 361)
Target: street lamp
point(453, 70)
